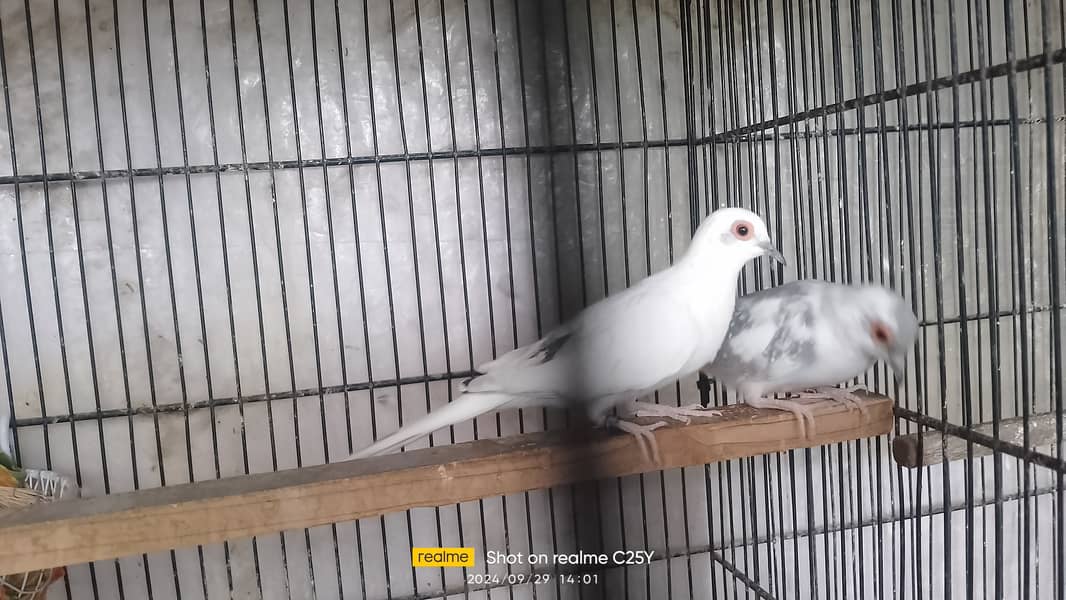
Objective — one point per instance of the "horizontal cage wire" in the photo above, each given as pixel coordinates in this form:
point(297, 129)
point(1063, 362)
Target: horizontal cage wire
point(238, 237)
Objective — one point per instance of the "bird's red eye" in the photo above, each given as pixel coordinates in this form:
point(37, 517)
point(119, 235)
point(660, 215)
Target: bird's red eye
point(743, 230)
point(881, 333)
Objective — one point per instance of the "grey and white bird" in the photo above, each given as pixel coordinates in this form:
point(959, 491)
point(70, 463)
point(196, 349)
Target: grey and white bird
point(616, 350)
point(808, 336)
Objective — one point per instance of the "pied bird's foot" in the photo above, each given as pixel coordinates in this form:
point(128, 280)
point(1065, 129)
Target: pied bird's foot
point(845, 396)
point(803, 413)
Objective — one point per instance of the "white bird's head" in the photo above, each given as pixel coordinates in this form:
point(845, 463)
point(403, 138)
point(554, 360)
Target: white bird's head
point(733, 236)
point(887, 327)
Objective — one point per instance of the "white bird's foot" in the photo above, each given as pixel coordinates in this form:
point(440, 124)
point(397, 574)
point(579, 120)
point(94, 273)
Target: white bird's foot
point(803, 413)
point(845, 396)
point(682, 414)
point(644, 434)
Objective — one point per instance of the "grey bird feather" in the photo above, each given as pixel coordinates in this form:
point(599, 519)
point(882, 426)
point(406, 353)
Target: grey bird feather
point(809, 335)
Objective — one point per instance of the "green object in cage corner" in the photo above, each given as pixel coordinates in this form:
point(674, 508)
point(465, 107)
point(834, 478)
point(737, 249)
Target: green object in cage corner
point(10, 474)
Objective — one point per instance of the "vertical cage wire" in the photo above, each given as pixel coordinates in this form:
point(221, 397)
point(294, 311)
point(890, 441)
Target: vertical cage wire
point(247, 236)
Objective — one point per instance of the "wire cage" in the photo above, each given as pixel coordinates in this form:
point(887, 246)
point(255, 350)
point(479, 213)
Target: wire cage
point(242, 236)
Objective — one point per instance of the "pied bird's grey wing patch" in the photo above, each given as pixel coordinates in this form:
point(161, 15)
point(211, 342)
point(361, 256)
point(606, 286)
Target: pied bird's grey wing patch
point(734, 361)
point(795, 333)
point(771, 330)
point(793, 347)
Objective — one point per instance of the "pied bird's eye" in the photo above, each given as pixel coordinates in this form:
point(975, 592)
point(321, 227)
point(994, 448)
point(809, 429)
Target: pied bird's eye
point(881, 333)
point(743, 230)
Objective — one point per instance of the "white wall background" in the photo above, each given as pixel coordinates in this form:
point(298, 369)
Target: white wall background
point(240, 293)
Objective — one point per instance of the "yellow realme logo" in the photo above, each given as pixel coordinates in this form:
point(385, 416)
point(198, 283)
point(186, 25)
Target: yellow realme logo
point(442, 557)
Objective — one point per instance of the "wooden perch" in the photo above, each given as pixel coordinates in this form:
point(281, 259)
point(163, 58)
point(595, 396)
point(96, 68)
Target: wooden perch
point(76, 531)
point(932, 447)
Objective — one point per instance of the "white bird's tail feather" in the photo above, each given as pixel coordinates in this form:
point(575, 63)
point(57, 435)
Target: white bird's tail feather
point(465, 407)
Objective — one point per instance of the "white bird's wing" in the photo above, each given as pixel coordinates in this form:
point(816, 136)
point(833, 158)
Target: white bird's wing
point(625, 343)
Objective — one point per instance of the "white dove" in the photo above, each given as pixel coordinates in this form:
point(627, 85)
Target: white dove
point(808, 336)
point(664, 328)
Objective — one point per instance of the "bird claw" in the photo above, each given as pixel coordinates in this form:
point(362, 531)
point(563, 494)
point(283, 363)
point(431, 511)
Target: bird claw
point(644, 435)
point(845, 396)
point(681, 414)
point(804, 414)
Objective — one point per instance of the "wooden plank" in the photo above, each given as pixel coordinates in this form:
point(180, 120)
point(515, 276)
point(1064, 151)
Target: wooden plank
point(932, 447)
point(88, 529)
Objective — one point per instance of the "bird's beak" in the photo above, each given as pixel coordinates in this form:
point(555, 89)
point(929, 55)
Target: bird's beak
point(899, 367)
point(770, 250)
